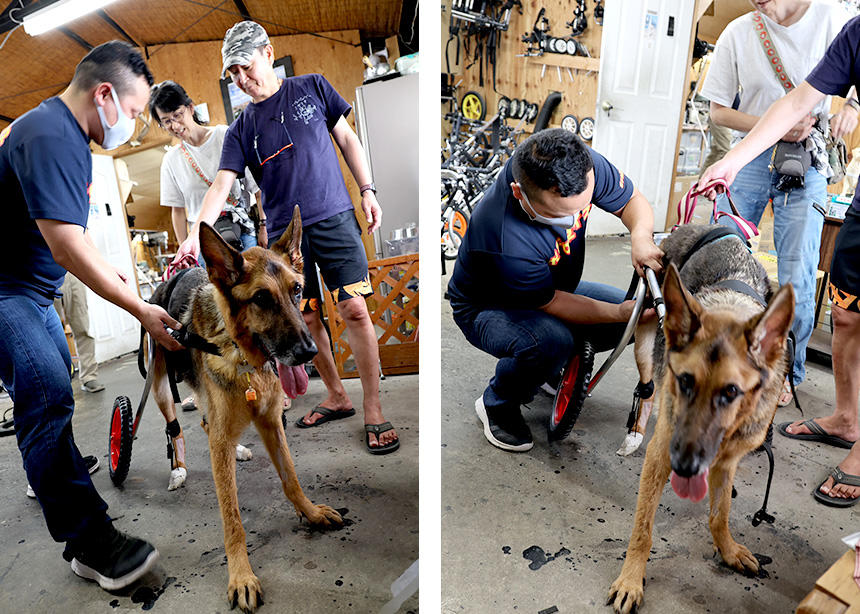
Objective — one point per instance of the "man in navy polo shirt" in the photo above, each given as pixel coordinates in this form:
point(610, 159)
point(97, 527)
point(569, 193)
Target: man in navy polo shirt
point(285, 138)
point(837, 74)
point(516, 290)
point(45, 176)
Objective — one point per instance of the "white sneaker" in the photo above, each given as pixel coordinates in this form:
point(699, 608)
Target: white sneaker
point(30, 492)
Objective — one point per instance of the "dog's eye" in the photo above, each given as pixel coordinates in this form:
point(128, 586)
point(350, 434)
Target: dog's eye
point(263, 298)
point(297, 289)
point(729, 394)
point(686, 382)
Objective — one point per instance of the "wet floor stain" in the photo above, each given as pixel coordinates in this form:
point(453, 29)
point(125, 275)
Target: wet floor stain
point(506, 549)
point(148, 595)
point(539, 558)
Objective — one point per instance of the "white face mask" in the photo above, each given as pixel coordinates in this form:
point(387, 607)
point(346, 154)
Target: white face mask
point(564, 222)
point(121, 131)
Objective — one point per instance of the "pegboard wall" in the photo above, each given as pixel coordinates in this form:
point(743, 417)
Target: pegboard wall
point(525, 77)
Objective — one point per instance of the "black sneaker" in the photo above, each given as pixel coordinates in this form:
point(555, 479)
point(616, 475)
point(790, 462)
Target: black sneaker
point(508, 432)
point(114, 560)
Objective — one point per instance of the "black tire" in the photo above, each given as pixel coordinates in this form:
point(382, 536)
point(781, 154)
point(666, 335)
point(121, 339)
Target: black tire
point(504, 107)
point(547, 108)
point(472, 106)
point(120, 437)
point(586, 128)
point(571, 394)
point(570, 123)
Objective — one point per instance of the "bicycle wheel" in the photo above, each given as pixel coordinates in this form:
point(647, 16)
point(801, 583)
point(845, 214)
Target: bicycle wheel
point(571, 394)
point(120, 438)
point(453, 231)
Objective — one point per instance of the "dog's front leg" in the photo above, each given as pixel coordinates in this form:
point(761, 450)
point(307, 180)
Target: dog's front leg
point(272, 432)
point(244, 588)
point(626, 592)
point(720, 480)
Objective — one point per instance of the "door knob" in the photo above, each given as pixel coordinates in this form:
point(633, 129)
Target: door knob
point(606, 106)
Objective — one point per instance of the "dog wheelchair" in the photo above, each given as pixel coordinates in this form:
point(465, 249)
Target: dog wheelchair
point(577, 382)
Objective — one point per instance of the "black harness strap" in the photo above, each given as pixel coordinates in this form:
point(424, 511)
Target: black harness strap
point(716, 232)
point(739, 286)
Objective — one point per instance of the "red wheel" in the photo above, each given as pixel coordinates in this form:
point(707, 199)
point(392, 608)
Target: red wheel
point(571, 394)
point(120, 438)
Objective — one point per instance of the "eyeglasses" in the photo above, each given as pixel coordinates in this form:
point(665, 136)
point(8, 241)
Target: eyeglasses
point(261, 160)
point(177, 118)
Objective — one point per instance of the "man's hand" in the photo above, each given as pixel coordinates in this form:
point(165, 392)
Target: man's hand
point(843, 122)
point(646, 253)
point(372, 210)
point(800, 130)
point(153, 318)
point(191, 246)
point(725, 169)
point(263, 236)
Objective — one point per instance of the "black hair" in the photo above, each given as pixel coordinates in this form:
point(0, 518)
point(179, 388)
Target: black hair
point(169, 96)
point(115, 62)
point(553, 158)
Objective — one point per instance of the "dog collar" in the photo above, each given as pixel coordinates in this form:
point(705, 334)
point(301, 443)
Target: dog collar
point(245, 368)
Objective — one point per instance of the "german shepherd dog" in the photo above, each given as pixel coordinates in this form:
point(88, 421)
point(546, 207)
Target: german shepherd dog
point(719, 363)
point(247, 308)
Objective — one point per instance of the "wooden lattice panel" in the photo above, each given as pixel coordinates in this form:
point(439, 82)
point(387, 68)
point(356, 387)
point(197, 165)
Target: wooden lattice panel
point(393, 309)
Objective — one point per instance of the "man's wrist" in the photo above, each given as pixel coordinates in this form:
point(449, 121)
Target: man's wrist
point(367, 186)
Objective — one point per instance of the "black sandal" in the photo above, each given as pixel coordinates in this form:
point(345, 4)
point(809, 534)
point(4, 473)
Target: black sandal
point(378, 429)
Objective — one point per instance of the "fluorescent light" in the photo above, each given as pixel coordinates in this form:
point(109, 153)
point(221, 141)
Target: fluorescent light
point(58, 13)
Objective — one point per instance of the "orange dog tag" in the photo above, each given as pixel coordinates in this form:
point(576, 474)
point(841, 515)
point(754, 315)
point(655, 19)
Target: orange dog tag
point(250, 394)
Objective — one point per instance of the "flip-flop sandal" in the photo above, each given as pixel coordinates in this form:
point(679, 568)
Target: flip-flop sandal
point(327, 415)
point(839, 477)
point(816, 434)
point(378, 429)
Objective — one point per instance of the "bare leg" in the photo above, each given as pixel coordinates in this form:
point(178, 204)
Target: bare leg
point(846, 372)
point(337, 398)
point(362, 340)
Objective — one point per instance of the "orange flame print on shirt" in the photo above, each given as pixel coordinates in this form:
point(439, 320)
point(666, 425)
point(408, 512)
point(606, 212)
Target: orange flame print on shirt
point(563, 245)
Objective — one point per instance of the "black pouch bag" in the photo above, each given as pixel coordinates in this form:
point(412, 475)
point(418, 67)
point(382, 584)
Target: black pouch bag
point(229, 230)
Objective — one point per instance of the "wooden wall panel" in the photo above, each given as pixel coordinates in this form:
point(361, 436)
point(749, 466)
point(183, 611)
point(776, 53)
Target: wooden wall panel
point(520, 77)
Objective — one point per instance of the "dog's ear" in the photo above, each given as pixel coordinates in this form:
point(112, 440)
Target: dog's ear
point(289, 245)
point(223, 263)
point(766, 333)
point(682, 310)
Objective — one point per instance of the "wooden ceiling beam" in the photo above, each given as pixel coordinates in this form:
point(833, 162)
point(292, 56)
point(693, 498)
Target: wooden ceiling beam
point(243, 10)
point(69, 33)
point(108, 20)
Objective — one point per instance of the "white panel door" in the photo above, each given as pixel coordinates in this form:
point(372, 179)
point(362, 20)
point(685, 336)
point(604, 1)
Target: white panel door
point(115, 331)
point(640, 95)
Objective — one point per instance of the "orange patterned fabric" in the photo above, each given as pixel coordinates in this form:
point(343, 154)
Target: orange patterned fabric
point(845, 300)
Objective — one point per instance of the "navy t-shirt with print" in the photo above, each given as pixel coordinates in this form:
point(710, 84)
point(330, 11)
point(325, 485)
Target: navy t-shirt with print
point(839, 69)
point(45, 173)
point(507, 261)
point(285, 142)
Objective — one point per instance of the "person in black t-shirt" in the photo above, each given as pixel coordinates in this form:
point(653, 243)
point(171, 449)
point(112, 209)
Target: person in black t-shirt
point(45, 177)
point(516, 290)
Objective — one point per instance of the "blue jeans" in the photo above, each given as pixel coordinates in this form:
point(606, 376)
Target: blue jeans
point(36, 367)
point(531, 345)
point(796, 235)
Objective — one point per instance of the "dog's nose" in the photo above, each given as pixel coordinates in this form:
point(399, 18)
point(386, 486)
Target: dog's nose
point(686, 460)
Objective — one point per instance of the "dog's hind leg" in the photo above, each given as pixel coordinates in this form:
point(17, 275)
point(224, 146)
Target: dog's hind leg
point(720, 480)
point(175, 437)
point(626, 592)
point(272, 432)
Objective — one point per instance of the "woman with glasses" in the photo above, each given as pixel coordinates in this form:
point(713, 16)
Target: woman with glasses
point(187, 171)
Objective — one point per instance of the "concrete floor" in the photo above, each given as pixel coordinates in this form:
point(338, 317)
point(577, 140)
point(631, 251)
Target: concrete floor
point(526, 532)
point(350, 570)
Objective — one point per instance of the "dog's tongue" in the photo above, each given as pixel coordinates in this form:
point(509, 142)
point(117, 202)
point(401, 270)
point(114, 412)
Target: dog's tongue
point(694, 488)
point(294, 380)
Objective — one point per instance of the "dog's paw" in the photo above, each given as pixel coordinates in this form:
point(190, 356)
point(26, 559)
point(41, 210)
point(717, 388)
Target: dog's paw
point(177, 478)
point(323, 516)
point(625, 595)
point(243, 453)
point(245, 591)
point(630, 444)
point(739, 557)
